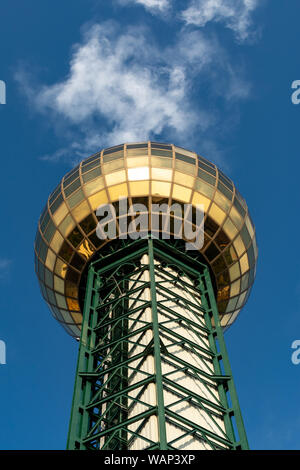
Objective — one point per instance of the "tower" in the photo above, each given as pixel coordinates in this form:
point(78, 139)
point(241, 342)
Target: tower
point(149, 314)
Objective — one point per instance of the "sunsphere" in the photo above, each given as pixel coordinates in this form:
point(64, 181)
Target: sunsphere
point(147, 172)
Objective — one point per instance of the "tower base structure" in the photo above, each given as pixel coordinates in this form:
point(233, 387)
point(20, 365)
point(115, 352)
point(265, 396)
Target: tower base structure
point(153, 370)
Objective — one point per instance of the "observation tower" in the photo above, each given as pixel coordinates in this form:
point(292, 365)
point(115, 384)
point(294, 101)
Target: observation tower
point(147, 304)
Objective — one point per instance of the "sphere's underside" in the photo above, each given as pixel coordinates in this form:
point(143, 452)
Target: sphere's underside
point(150, 173)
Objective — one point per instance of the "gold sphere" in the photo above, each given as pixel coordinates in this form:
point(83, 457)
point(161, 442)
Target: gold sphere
point(145, 172)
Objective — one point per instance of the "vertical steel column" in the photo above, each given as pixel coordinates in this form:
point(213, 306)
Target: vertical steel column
point(157, 353)
point(79, 421)
point(207, 290)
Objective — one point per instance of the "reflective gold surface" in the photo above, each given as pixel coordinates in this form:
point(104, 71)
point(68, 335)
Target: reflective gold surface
point(66, 238)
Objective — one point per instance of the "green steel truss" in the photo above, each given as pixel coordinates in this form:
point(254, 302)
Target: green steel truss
point(109, 409)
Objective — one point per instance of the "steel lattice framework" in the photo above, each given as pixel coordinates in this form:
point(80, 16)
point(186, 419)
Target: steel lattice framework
point(153, 371)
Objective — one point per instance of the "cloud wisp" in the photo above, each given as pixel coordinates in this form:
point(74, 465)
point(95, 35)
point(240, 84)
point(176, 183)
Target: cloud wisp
point(234, 14)
point(155, 6)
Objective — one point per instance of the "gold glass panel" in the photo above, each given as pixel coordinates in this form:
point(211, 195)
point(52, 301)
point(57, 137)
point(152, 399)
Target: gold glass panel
point(66, 316)
point(139, 188)
point(77, 317)
point(159, 188)
point(235, 288)
point(67, 225)
point(71, 289)
point(56, 242)
point(225, 319)
point(234, 271)
point(94, 186)
point(244, 263)
point(204, 188)
point(60, 213)
point(223, 294)
point(50, 260)
point(161, 162)
point(91, 175)
point(230, 229)
point(234, 315)
point(139, 174)
point(112, 155)
point(241, 299)
point(181, 193)
point(61, 268)
point(61, 301)
point(59, 284)
point(81, 211)
point(184, 179)
point(85, 249)
point(97, 199)
point(115, 178)
point(235, 216)
point(73, 304)
point(249, 227)
point(161, 174)
point(184, 152)
point(239, 245)
point(113, 166)
point(120, 190)
point(76, 198)
point(136, 162)
point(137, 152)
point(233, 253)
point(216, 214)
point(185, 167)
point(222, 201)
point(199, 199)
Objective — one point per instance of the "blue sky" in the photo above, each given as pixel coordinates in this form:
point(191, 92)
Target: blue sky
point(213, 76)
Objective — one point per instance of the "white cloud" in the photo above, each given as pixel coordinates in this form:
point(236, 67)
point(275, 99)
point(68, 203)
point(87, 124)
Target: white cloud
point(122, 87)
point(111, 78)
point(235, 14)
point(152, 5)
